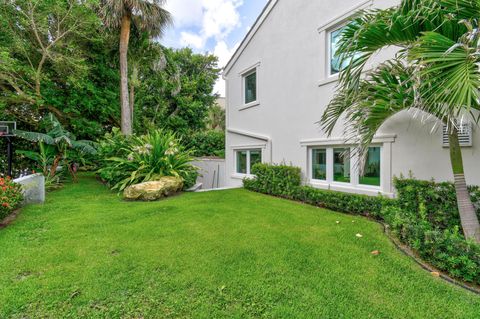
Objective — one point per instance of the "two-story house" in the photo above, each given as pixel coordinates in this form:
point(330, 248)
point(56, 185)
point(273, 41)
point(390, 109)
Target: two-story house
point(279, 83)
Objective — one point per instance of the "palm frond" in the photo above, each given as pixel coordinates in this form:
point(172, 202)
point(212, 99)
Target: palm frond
point(449, 73)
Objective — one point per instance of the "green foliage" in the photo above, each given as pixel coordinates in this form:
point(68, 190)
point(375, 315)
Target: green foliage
point(278, 180)
point(11, 196)
point(126, 161)
point(207, 143)
point(437, 200)
point(176, 93)
point(424, 216)
point(57, 148)
point(78, 78)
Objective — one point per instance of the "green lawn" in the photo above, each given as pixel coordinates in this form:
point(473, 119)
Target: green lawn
point(226, 254)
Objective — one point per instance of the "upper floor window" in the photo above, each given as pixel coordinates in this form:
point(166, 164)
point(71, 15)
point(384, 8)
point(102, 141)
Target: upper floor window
point(335, 65)
point(250, 85)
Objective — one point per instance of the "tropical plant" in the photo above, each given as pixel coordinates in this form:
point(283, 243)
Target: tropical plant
point(65, 145)
point(435, 72)
point(44, 159)
point(147, 16)
point(135, 159)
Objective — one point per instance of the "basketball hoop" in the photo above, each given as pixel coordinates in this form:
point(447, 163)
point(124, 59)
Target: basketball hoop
point(7, 130)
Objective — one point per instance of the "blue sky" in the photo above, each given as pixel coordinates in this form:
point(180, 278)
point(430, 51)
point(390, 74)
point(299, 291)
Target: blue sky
point(215, 26)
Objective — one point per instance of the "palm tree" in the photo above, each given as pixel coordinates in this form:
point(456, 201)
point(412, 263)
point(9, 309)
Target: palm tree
point(147, 16)
point(435, 72)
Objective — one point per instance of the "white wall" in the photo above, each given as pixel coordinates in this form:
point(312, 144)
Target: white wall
point(290, 49)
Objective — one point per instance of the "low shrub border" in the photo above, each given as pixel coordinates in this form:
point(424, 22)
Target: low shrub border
point(424, 216)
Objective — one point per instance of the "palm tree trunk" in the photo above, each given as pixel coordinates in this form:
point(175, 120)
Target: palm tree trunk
point(126, 114)
point(133, 83)
point(468, 215)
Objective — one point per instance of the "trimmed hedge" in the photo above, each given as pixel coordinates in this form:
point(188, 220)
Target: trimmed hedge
point(424, 217)
point(285, 181)
point(277, 180)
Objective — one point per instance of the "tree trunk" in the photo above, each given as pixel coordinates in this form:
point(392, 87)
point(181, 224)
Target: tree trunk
point(38, 74)
point(468, 215)
point(126, 114)
point(133, 83)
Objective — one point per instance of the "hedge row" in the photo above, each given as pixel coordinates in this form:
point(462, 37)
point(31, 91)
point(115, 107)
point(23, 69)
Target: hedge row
point(424, 216)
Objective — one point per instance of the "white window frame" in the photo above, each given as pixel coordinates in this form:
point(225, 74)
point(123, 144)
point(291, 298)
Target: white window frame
point(354, 184)
point(244, 74)
point(329, 49)
point(325, 31)
point(248, 150)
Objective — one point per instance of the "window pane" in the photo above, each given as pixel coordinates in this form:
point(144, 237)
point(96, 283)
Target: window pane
point(255, 157)
point(319, 164)
point(341, 162)
point(242, 162)
point(335, 65)
point(334, 61)
point(372, 168)
point(251, 88)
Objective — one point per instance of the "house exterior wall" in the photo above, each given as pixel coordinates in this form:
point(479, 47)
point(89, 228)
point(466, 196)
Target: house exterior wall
point(290, 53)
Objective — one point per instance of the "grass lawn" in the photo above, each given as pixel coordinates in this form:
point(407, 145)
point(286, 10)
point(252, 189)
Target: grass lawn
point(226, 254)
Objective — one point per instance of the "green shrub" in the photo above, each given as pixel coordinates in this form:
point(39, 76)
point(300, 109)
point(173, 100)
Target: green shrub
point(126, 161)
point(278, 180)
point(437, 200)
point(424, 216)
point(343, 202)
point(208, 143)
point(11, 196)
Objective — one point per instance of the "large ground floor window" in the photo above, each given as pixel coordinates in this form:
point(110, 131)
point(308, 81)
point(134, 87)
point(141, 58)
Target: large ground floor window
point(245, 159)
point(336, 164)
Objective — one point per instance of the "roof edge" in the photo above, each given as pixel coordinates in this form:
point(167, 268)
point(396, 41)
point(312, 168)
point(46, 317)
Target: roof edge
point(246, 40)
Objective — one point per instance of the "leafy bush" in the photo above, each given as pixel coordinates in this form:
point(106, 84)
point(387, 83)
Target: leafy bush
point(424, 217)
point(343, 202)
point(285, 181)
point(278, 180)
point(126, 161)
point(208, 143)
point(437, 200)
point(10, 196)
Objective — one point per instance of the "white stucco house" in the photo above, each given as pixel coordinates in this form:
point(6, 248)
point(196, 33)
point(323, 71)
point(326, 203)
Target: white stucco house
point(280, 81)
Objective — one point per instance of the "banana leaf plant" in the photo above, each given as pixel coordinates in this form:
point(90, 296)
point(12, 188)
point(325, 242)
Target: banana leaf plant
point(56, 148)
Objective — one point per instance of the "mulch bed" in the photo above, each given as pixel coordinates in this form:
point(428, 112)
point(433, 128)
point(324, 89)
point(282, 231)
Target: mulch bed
point(9, 219)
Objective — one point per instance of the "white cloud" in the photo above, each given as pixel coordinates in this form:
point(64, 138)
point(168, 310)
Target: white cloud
point(186, 13)
point(224, 53)
point(192, 40)
point(204, 20)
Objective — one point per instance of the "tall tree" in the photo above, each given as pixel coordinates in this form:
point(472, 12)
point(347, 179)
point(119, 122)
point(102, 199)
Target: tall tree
point(435, 71)
point(147, 16)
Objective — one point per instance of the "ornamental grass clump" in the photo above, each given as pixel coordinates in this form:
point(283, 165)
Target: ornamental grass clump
point(11, 196)
point(129, 160)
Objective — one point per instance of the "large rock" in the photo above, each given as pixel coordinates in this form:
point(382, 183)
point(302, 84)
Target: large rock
point(155, 190)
